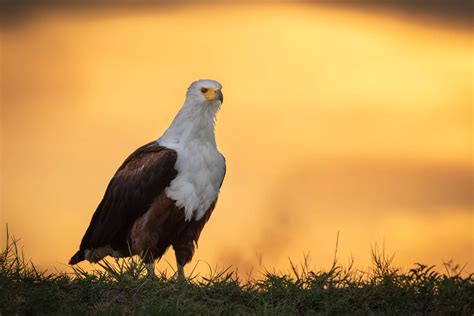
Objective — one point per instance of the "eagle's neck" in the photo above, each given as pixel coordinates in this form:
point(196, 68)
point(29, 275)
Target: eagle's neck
point(193, 123)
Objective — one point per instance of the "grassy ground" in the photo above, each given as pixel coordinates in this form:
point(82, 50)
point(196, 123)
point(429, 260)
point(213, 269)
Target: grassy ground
point(121, 287)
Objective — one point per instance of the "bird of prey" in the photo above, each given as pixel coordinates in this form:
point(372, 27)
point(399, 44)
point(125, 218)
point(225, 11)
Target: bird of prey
point(165, 191)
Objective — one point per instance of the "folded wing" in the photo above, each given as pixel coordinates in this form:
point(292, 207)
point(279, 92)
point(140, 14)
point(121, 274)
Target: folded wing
point(138, 181)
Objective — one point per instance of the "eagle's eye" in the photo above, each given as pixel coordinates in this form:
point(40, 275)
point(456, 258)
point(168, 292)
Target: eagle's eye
point(203, 90)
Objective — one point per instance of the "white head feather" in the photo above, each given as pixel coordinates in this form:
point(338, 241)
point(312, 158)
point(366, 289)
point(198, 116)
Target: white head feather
point(197, 114)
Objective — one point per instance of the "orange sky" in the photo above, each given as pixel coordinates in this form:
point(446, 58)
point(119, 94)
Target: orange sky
point(334, 120)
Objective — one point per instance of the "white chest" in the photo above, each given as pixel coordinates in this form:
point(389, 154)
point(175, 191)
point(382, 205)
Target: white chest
point(201, 169)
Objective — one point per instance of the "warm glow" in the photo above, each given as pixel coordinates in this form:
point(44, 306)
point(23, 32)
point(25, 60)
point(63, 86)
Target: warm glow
point(333, 120)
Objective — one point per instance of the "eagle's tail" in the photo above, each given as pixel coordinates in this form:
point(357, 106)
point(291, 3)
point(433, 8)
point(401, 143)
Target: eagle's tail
point(78, 257)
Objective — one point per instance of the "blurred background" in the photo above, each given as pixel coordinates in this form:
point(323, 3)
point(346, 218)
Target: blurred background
point(350, 117)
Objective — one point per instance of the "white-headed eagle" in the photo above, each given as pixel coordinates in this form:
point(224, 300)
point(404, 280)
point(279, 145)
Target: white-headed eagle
point(164, 193)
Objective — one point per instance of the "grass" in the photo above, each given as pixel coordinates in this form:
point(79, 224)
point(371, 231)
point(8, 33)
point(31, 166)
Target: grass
point(121, 287)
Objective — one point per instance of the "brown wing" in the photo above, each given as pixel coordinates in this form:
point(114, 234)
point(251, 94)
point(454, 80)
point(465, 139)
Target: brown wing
point(138, 181)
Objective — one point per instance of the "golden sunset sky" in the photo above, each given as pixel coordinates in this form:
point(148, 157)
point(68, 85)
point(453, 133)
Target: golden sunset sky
point(335, 119)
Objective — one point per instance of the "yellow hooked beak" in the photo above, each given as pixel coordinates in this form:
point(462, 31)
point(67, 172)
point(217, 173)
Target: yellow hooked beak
point(213, 94)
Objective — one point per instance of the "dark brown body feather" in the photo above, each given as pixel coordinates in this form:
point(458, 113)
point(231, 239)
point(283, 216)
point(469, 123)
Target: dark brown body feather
point(136, 217)
point(164, 225)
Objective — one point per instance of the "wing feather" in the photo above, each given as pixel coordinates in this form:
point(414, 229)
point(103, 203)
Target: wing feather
point(138, 181)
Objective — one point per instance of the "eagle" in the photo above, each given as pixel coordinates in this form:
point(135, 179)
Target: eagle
point(165, 191)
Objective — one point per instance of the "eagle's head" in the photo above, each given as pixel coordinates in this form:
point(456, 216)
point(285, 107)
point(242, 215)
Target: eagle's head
point(205, 93)
point(196, 118)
